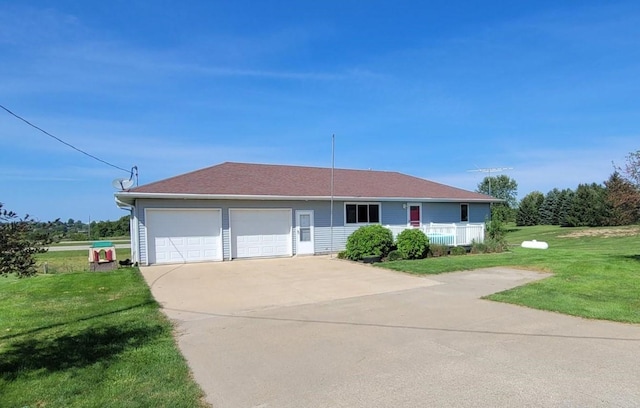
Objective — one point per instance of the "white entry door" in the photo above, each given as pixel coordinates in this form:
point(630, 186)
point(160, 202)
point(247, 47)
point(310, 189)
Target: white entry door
point(304, 232)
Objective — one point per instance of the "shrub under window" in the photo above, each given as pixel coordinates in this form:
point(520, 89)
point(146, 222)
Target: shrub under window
point(413, 244)
point(369, 240)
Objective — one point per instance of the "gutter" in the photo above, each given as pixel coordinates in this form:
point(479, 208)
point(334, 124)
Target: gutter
point(181, 196)
point(133, 231)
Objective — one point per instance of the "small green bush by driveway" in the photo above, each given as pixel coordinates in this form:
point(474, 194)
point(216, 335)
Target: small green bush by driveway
point(412, 244)
point(458, 251)
point(369, 240)
point(394, 255)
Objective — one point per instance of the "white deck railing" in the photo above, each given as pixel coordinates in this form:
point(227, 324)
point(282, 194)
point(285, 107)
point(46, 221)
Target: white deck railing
point(454, 234)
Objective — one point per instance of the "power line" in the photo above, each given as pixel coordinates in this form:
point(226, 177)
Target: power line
point(63, 142)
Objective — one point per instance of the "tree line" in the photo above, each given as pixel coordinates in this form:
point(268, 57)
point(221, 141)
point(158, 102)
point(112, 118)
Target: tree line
point(77, 230)
point(613, 203)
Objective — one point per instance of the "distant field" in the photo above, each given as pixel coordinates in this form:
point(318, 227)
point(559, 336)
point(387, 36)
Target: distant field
point(80, 243)
point(72, 261)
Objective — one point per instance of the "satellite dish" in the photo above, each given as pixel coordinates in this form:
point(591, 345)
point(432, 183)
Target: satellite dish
point(122, 183)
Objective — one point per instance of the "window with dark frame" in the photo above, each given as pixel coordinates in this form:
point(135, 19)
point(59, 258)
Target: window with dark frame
point(464, 212)
point(362, 213)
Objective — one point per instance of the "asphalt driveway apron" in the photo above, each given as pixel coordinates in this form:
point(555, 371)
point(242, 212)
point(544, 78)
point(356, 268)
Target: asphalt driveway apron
point(320, 332)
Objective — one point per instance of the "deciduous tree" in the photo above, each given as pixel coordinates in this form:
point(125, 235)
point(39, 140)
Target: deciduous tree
point(624, 199)
point(20, 240)
point(504, 188)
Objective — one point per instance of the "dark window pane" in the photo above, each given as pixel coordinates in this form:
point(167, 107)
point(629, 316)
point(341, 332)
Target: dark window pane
point(351, 214)
point(374, 213)
point(362, 213)
point(464, 212)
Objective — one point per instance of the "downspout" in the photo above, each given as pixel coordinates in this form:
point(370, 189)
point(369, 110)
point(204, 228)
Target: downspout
point(135, 244)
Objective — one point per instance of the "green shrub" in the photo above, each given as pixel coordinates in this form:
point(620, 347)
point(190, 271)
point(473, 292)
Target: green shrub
point(394, 255)
point(373, 240)
point(489, 246)
point(496, 230)
point(412, 244)
point(458, 251)
point(496, 245)
point(478, 247)
point(342, 255)
point(438, 250)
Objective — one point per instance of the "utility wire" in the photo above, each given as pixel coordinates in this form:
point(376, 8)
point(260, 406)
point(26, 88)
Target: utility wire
point(63, 142)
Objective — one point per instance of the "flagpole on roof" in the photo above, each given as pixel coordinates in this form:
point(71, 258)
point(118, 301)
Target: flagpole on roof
point(333, 145)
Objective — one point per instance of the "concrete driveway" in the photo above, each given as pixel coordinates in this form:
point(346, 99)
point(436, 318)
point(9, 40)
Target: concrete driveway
point(320, 332)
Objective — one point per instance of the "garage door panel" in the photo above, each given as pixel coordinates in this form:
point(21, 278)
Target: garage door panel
point(180, 236)
point(260, 233)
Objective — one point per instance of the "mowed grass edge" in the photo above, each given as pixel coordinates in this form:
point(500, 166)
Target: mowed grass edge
point(89, 340)
point(596, 271)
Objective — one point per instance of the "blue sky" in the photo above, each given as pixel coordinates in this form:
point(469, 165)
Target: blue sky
point(428, 88)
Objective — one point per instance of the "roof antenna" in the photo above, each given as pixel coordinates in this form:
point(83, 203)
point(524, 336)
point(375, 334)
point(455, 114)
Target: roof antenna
point(491, 170)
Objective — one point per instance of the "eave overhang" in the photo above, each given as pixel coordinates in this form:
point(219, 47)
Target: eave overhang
point(127, 198)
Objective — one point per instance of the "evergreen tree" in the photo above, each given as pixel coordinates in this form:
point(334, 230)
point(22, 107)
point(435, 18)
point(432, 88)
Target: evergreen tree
point(589, 207)
point(529, 209)
point(550, 208)
point(565, 202)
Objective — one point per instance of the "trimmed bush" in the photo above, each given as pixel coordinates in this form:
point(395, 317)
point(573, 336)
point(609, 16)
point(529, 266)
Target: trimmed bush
point(436, 250)
point(394, 255)
point(458, 251)
point(412, 244)
point(342, 255)
point(369, 240)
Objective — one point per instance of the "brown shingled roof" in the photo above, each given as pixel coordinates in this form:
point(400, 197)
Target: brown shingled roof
point(296, 181)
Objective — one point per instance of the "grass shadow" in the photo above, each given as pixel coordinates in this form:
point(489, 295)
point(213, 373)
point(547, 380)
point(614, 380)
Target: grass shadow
point(633, 257)
point(81, 319)
point(73, 351)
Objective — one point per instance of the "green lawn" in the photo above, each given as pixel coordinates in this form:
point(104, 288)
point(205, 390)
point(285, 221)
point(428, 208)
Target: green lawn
point(72, 261)
point(88, 340)
point(596, 270)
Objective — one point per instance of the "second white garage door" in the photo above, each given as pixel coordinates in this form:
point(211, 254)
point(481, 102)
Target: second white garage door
point(260, 233)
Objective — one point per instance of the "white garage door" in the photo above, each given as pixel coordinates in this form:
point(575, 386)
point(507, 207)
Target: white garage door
point(179, 236)
point(256, 233)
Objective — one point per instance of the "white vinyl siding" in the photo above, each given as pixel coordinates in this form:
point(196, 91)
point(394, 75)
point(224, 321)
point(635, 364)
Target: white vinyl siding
point(392, 213)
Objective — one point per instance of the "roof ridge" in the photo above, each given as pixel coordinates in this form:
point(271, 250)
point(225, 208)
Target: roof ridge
point(307, 167)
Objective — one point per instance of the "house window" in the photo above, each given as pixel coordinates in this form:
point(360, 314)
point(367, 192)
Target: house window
point(364, 213)
point(464, 212)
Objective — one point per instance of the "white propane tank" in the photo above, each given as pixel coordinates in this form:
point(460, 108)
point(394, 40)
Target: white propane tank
point(535, 244)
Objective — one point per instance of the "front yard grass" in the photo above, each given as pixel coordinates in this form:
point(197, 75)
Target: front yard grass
point(71, 261)
point(596, 271)
point(88, 340)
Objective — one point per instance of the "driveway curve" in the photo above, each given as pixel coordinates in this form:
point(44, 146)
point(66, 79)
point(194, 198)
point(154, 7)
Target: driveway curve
point(320, 332)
